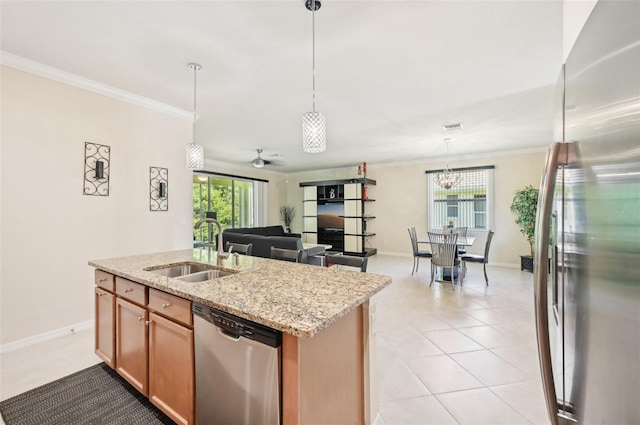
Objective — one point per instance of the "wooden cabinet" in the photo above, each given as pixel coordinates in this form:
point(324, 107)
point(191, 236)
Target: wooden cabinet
point(175, 308)
point(171, 356)
point(132, 345)
point(105, 319)
point(105, 323)
point(171, 369)
point(147, 336)
point(132, 291)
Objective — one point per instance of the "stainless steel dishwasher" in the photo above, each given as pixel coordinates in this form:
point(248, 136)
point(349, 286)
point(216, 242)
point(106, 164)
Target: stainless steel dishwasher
point(237, 369)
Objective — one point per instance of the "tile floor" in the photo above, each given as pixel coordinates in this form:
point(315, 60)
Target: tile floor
point(463, 356)
point(444, 357)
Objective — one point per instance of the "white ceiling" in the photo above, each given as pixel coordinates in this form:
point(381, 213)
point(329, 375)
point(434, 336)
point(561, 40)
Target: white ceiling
point(389, 74)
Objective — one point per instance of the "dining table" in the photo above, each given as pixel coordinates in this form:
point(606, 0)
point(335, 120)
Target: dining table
point(462, 241)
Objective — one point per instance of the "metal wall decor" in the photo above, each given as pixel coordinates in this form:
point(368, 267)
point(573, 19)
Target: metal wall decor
point(158, 189)
point(96, 169)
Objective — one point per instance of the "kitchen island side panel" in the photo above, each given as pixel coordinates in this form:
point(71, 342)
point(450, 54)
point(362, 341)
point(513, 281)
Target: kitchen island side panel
point(326, 370)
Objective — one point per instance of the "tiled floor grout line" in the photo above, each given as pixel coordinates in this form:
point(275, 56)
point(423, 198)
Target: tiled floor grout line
point(504, 304)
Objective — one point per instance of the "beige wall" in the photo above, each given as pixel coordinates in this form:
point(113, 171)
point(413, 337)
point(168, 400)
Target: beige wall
point(401, 201)
point(50, 230)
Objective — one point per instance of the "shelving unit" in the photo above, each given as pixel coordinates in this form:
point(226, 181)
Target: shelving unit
point(349, 197)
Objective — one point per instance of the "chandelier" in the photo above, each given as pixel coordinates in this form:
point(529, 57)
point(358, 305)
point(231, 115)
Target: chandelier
point(194, 151)
point(314, 131)
point(447, 179)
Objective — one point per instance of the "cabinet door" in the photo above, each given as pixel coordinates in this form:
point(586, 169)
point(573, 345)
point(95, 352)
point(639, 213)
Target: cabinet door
point(105, 323)
point(131, 344)
point(171, 369)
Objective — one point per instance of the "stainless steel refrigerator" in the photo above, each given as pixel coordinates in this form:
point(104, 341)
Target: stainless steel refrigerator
point(587, 263)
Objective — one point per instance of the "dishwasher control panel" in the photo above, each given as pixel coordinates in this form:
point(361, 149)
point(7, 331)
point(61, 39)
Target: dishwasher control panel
point(231, 326)
point(237, 327)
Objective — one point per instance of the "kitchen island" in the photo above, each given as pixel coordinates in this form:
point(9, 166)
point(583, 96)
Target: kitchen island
point(323, 314)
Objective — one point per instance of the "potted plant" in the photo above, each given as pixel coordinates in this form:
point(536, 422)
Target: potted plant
point(524, 206)
point(287, 212)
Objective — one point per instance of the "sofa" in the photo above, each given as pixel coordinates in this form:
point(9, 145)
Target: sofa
point(263, 238)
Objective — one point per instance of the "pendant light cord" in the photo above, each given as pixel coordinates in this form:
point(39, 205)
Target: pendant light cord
point(195, 115)
point(313, 49)
point(447, 154)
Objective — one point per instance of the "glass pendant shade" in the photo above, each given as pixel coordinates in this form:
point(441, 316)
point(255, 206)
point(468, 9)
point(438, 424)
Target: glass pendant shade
point(314, 124)
point(314, 132)
point(447, 179)
point(194, 152)
point(195, 156)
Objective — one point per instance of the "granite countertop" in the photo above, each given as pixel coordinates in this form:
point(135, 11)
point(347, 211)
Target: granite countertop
point(298, 299)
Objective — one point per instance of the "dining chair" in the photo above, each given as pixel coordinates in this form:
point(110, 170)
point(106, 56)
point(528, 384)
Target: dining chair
point(444, 254)
point(482, 259)
point(291, 255)
point(417, 253)
point(462, 232)
point(348, 260)
point(239, 248)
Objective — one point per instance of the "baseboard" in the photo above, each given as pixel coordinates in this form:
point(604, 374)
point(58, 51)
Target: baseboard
point(507, 265)
point(378, 419)
point(46, 336)
point(395, 254)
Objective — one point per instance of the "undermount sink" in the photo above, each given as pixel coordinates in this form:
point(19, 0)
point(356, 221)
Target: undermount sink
point(204, 275)
point(190, 272)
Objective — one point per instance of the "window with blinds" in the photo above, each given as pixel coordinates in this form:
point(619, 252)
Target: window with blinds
point(468, 204)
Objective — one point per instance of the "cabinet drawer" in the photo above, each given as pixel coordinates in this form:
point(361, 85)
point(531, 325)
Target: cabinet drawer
point(105, 280)
point(131, 290)
point(168, 305)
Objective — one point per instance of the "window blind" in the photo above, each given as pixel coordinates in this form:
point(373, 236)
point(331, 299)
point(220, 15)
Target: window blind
point(468, 204)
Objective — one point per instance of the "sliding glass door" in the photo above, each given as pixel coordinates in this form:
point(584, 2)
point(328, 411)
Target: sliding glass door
point(233, 201)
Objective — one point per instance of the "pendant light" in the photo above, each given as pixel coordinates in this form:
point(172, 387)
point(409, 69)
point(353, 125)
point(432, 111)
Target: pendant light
point(195, 152)
point(447, 179)
point(314, 132)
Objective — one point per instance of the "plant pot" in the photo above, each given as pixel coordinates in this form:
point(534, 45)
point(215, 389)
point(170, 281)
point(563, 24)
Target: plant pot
point(526, 263)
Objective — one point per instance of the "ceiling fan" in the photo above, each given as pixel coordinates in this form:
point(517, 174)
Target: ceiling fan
point(260, 162)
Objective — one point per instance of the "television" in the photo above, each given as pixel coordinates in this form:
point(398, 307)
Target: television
point(331, 217)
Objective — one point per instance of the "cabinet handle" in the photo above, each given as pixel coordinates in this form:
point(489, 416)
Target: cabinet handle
point(104, 279)
point(148, 322)
point(166, 305)
point(102, 294)
point(128, 290)
point(140, 319)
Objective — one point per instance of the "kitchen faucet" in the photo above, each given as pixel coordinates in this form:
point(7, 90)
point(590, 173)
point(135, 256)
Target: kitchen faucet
point(221, 254)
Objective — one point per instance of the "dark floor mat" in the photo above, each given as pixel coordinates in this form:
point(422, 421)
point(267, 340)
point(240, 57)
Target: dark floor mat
point(96, 395)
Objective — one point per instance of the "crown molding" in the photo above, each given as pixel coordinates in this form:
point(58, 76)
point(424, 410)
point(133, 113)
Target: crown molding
point(55, 74)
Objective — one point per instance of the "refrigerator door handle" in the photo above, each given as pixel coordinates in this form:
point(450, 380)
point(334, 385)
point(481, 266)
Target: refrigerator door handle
point(556, 155)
